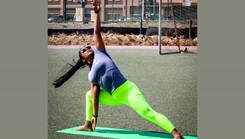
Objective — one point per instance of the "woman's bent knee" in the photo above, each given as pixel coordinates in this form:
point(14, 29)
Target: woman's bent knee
point(88, 94)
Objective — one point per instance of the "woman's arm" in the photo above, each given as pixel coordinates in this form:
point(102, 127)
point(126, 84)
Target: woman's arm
point(95, 90)
point(99, 44)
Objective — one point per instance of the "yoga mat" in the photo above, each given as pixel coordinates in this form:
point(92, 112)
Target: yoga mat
point(120, 133)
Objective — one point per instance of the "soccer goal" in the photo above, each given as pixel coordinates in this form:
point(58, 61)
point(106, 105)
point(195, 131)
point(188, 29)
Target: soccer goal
point(177, 26)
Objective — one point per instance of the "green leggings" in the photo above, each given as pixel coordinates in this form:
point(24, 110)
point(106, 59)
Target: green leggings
point(130, 95)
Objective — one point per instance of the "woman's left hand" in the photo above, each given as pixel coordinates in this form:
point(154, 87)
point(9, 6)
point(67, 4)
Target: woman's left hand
point(96, 6)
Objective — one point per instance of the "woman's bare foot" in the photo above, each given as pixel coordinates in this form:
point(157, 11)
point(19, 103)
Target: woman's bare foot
point(177, 135)
point(86, 127)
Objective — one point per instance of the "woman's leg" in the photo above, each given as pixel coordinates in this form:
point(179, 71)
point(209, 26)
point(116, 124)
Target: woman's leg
point(104, 98)
point(133, 98)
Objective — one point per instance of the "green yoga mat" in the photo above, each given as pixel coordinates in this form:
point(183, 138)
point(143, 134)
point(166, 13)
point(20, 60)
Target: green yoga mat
point(120, 133)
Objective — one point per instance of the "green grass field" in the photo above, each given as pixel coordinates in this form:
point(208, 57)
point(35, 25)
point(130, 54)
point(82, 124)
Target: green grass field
point(168, 82)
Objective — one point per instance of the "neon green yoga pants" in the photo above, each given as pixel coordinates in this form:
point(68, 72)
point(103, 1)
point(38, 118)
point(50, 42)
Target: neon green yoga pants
point(130, 95)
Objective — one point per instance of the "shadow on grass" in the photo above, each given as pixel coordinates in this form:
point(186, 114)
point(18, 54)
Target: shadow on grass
point(170, 53)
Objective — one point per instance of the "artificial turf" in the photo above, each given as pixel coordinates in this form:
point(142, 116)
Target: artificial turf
point(168, 82)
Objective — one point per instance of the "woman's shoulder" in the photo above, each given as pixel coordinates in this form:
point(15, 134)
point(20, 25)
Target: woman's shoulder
point(100, 51)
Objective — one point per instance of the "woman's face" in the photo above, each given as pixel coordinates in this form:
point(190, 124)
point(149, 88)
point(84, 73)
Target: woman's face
point(87, 52)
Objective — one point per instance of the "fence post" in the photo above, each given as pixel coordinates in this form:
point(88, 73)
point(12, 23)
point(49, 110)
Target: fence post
point(140, 25)
point(64, 10)
point(190, 29)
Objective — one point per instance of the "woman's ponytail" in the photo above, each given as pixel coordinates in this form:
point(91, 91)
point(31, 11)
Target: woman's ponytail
point(70, 72)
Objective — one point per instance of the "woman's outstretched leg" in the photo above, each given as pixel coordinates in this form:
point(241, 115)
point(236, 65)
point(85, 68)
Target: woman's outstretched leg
point(132, 97)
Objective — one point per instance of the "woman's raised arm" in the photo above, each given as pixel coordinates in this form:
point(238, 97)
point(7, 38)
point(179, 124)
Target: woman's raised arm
point(99, 44)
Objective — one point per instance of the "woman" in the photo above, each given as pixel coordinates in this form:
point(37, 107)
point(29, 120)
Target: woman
point(109, 86)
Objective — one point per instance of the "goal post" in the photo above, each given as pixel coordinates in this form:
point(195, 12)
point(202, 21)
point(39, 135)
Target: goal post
point(179, 20)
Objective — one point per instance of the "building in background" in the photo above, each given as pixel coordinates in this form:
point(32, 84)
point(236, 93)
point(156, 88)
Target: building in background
point(113, 10)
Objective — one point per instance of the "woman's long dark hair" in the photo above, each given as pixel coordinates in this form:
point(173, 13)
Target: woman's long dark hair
point(70, 72)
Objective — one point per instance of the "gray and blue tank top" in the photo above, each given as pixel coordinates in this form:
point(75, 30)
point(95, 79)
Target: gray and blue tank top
point(104, 72)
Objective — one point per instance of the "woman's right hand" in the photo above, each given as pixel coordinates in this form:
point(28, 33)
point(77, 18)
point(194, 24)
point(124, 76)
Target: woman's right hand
point(94, 122)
